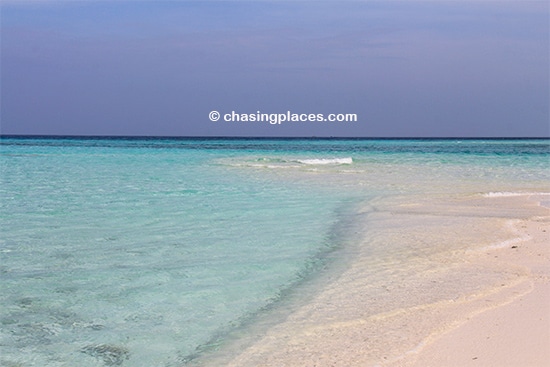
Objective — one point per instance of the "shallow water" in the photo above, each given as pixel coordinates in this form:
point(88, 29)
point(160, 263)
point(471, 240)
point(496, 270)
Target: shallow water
point(142, 252)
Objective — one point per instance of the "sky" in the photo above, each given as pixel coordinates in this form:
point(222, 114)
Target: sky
point(158, 68)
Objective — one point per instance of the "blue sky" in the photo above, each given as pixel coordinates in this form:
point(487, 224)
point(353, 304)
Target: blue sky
point(406, 68)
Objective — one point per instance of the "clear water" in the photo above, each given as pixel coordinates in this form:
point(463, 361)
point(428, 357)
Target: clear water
point(140, 252)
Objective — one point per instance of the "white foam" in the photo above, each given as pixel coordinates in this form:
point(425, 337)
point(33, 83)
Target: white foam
point(509, 194)
point(511, 225)
point(347, 160)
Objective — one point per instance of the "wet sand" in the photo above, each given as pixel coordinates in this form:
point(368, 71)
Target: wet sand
point(508, 335)
point(436, 281)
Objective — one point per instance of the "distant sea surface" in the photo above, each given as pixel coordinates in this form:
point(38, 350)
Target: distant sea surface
point(150, 252)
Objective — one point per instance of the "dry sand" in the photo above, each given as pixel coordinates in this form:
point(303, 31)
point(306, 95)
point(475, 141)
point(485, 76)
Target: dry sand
point(513, 334)
point(435, 282)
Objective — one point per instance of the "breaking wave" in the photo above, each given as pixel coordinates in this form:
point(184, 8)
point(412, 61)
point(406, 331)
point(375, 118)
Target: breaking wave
point(347, 160)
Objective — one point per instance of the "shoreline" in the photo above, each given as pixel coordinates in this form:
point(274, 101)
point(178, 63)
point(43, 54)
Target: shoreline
point(379, 315)
point(510, 335)
point(514, 333)
point(330, 263)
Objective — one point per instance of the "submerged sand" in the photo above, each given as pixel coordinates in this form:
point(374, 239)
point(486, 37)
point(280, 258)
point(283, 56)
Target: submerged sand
point(434, 282)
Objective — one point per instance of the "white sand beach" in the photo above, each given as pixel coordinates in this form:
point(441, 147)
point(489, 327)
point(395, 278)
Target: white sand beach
point(482, 298)
point(510, 334)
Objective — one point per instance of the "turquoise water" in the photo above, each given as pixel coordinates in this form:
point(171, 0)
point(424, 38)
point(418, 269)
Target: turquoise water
point(143, 252)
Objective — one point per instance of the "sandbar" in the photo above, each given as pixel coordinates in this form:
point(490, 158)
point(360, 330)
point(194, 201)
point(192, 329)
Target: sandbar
point(435, 281)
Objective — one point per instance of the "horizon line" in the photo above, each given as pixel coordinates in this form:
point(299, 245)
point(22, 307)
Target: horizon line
point(236, 137)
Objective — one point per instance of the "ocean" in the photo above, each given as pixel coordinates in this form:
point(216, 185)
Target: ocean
point(157, 251)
